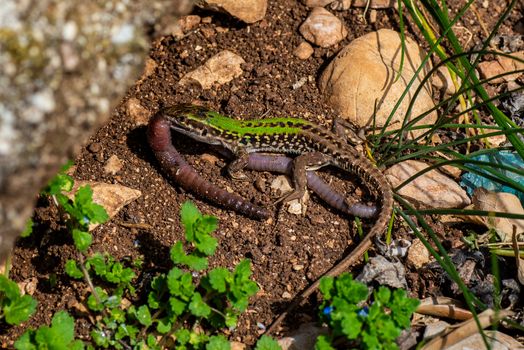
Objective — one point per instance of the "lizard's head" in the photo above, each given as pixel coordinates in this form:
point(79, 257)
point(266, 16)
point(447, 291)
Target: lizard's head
point(196, 122)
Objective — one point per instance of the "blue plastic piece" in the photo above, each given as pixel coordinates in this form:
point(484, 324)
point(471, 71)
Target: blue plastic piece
point(471, 181)
point(364, 312)
point(327, 311)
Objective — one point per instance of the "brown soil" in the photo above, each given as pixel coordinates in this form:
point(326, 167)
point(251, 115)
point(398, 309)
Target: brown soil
point(288, 252)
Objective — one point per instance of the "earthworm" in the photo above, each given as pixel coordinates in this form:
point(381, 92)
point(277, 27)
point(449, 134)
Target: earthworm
point(172, 162)
point(283, 164)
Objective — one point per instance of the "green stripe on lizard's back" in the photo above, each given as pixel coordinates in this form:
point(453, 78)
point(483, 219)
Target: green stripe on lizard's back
point(200, 115)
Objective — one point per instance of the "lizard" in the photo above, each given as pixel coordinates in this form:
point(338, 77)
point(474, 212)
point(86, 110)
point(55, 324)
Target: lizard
point(313, 145)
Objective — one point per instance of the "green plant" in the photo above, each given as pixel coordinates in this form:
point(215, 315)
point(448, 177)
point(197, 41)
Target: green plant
point(181, 311)
point(267, 343)
point(28, 229)
point(370, 324)
point(15, 308)
point(59, 336)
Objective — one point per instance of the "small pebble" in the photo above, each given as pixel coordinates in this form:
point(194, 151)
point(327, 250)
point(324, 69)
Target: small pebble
point(260, 184)
point(95, 147)
point(372, 16)
point(100, 157)
point(286, 295)
point(298, 267)
point(295, 207)
point(113, 165)
point(138, 113)
point(317, 219)
point(209, 158)
point(208, 32)
point(304, 50)
point(322, 28)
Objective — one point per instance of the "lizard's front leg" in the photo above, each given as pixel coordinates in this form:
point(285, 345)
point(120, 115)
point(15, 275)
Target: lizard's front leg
point(301, 164)
point(346, 131)
point(235, 169)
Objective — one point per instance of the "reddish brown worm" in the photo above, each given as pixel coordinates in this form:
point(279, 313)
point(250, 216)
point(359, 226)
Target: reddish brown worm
point(159, 138)
point(283, 164)
point(175, 166)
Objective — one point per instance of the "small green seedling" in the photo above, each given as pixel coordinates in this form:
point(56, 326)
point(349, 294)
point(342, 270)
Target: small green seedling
point(185, 308)
point(182, 311)
point(28, 229)
point(16, 308)
point(367, 324)
point(59, 336)
point(267, 343)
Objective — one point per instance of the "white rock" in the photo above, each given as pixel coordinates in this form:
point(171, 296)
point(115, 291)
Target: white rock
point(283, 186)
point(430, 190)
point(322, 28)
point(113, 165)
point(303, 339)
point(138, 113)
point(498, 202)
point(497, 341)
point(249, 11)
point(360, 82)
point(303, 51)
point(418, 255)
point(112, 197)
point(441, 80)
point(317, 3)
point(219, 69)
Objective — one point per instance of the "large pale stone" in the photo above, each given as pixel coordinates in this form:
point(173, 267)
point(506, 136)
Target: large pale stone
point(304, 338)
point(502, 65)
point(112, 197)
point(360, 83)
point(344, 5)
point(322, 28)
point(219, 69)
point(498, 202)
point(303, 51)
point(430, 190)
point(249, 11)
point(317, 3)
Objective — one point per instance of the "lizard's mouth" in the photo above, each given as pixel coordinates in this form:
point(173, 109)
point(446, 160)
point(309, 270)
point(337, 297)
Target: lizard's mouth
point(200, 136)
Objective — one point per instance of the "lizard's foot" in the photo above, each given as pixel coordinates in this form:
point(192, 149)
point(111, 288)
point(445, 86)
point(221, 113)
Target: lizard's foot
point(237, 175)
point(295, 194)
point(347, 131)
